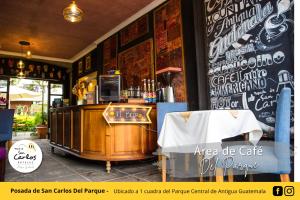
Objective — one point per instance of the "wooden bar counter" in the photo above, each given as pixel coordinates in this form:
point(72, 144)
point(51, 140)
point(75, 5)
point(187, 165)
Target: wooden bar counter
point(83, 132)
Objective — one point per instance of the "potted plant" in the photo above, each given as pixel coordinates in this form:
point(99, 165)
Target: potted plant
point(41, 118)
point(41, 125)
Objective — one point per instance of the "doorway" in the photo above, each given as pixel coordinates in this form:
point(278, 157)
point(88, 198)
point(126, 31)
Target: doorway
point(29, 99)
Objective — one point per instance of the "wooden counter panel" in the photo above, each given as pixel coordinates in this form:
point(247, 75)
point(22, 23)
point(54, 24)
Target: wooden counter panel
point(83, 131)
point(76, 136)
point(53, 127)
point(126, 139)
point(94, 132)
point(60, 128)
point(67, 129)
point(152, 137)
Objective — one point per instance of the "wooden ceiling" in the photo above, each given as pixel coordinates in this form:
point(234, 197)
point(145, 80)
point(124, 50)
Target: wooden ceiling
point(42, 24)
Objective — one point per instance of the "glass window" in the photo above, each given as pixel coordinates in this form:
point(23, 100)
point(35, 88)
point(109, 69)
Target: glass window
point(53, 97)
point(56, 89)
point(3, 86)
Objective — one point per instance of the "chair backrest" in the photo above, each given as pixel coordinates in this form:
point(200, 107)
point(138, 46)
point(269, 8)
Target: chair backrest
point(282, 130)
point(164, 108)
point(6, 124)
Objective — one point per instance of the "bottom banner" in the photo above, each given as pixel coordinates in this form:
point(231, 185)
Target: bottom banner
point(74, 191)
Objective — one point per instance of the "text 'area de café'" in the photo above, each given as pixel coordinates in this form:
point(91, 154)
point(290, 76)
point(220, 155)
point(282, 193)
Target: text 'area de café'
point(149, 90)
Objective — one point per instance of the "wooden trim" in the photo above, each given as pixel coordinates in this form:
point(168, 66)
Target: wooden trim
point(164, 168)
point(201, 55)
point(81, 129)
point(72, 131)
point(284, 178)
point(230, 175)
point(219, 175)
point(15, 54)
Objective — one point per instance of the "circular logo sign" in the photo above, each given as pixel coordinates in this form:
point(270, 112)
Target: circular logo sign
point(25, 156)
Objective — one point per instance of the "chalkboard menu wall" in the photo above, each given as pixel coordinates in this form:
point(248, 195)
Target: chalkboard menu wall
point(250, 55)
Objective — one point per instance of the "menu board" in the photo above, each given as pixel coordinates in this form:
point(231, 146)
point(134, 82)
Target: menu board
point(110, 54)
point(36, 70)
point(127, 114)
point(134, 31)
point(250, 55)
point(136, 64)
point(168, 44)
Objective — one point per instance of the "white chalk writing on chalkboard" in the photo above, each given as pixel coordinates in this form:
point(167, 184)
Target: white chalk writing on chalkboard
point(249, 54)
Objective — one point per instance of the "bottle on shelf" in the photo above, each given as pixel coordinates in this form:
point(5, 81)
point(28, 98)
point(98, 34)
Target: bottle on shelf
point(153, 92)
point(149, 92)
point(159, 97)
point(145, 93)
point(134, 92)
point(138, 92)
point(130, 92)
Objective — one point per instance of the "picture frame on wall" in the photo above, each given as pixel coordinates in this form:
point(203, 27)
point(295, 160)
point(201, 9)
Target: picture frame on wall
point(110, 54)
point(80, 67)
point(169, 48)
point(137, 63)
point(88, 62)
point(134, 31)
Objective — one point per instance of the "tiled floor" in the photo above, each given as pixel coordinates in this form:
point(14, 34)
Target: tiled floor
point(61, 167)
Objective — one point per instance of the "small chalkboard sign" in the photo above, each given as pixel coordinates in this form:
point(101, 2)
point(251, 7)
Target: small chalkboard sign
point(127, 114)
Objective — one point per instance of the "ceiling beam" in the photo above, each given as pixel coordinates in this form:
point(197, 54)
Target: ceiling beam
point(10, 53)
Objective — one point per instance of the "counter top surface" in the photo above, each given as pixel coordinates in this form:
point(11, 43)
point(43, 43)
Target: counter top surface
point(101, 105)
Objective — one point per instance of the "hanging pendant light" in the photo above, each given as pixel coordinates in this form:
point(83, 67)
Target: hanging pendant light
point(20, 64)
point(21, 74)
point(28, 54)
point(20, 67)
point(26, 45)
point(72, 13)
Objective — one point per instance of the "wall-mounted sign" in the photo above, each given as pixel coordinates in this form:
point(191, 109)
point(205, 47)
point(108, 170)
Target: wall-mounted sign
point(127, 114)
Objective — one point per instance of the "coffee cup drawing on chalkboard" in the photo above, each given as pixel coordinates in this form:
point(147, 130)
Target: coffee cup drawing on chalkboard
point(275, 26)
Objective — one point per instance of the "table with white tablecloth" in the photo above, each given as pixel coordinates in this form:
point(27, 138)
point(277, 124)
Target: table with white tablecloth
point(182, 130)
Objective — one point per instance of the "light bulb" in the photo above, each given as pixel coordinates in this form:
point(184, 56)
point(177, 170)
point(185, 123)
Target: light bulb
point(28, 54)
point(73, 7)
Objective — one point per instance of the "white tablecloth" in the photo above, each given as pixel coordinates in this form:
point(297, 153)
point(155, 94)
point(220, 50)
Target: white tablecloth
point(204, 127)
